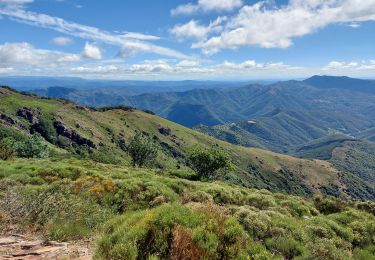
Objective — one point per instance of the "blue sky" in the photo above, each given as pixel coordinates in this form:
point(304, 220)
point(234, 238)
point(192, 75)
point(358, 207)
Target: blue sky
point(193, 39)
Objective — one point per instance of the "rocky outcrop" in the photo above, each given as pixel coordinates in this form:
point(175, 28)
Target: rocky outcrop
point(165, 131)
point(7, 119)
point(29, 114)
point(71, 134)
point(3, 91)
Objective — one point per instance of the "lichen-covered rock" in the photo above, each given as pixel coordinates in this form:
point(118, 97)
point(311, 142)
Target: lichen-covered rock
point(165, 131)
point(29, 114)
point(71, 134)
point(7, 119)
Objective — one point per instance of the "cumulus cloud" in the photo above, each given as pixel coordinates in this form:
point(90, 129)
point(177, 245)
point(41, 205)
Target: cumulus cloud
point(94, 69)
point(193, 29)
point(132, 42)
point(350, 66)
point(62, 41)
point(207, 6)
point(252, 65)
point(268, 26)
point(91, 51)
point(152, 66)
point(188, 63)
point(163, 68)
point(12, 54)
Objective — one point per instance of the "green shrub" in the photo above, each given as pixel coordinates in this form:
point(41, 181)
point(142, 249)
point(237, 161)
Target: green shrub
point(142, 149)
point(288, 247)
point(364, 254)
point(166, 231)
point(34, 147)
point(206, 162)
point(7, 149)
point(329, 205)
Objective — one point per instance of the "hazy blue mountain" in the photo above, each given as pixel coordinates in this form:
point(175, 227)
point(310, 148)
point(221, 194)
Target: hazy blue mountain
point(281, 116)
point(122, 87)
point(324, 82)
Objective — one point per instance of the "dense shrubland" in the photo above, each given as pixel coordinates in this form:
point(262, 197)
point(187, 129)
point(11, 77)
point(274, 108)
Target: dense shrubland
point(155, 215)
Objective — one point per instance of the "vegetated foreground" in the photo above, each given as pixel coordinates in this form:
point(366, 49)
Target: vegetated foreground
point(67, 175)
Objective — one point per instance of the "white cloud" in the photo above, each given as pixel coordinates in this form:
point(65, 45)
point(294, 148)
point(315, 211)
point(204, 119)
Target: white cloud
point(188, 63)
point(354, 25)
point(16, 2)
point(129, 42)
point(62, 41)
point(252, 65)
point(6, 70)
point(24, 54)
point(91, 51)
point(139, 36)
point(350, 66)
point(95, 69)
point(207, 6)
point(188, 69)
point(152, 66)
point(193, 29)
point(24, 59)
point(268, 26)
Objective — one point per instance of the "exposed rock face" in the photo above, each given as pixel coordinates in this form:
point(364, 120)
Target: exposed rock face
point(7, 119)
point(165, 131)
point(30, 115)
point(3, 92)
point(61, 129)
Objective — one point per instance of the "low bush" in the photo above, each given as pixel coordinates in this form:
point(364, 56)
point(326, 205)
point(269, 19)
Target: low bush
point(54, 210)
point(7, 149)
point(34, 147)
point(329, 205)
point(173, 231)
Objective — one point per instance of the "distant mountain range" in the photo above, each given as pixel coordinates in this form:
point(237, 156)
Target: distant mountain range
point(281, 116)
point(121, 87)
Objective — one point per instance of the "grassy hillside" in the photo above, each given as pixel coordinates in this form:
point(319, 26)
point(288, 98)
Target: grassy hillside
point(106, 131)
point(279, 131)
point(133, 213)
point(85, 188)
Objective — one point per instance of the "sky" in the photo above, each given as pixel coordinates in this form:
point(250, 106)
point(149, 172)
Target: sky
point(187, 39)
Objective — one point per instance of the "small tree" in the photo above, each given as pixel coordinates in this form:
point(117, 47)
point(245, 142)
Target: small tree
point(206, 162)
point(7, 150)
point(34, 147)
point(142, 149)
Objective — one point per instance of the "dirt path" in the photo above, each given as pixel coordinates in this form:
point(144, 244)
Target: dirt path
point(21, 247)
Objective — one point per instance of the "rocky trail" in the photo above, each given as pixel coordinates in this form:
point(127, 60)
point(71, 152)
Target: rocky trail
point(22, 247)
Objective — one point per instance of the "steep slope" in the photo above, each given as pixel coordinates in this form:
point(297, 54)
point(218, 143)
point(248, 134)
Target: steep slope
point(279, 131)
point(99, 135)
point(322, 148)
point(354, 158)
